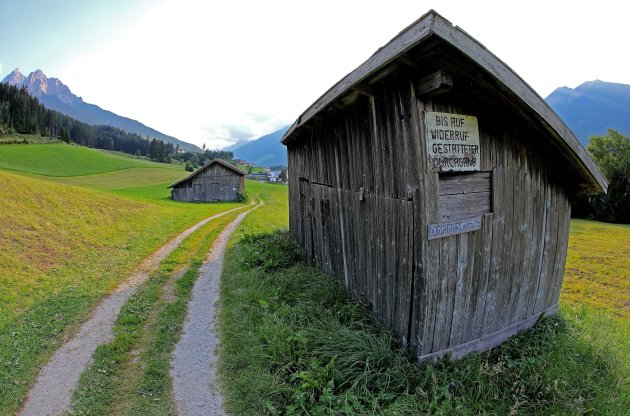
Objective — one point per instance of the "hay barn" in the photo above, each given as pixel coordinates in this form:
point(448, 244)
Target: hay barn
point(217, 181)
point(435, 182)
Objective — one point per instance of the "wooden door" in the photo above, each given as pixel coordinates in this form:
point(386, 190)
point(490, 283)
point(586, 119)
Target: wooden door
point(197, 192)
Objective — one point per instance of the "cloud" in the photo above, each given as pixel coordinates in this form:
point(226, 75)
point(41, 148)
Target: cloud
point(247, 127)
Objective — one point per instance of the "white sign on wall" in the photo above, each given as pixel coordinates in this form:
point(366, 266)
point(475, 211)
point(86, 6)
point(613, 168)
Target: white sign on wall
point(454, 227)
point(452, 142)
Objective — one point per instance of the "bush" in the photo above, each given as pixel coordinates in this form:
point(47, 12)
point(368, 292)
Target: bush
point(272, 251)
point(612, 155)
point(242, 197)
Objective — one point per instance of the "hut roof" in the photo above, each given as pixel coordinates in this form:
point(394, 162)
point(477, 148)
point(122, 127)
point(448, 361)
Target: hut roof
point(198, 171)
point(430, 32)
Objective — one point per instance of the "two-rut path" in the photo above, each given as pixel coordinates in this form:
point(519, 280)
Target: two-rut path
point(57, 381)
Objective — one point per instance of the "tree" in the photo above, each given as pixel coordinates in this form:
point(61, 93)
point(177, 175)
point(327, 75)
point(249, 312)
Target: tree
point(283, 176)
point(612, 154)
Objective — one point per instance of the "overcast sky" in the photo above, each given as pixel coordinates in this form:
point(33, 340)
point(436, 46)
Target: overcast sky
point(215, 72)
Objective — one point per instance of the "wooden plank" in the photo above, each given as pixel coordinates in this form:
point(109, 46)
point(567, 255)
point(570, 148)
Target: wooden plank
point(463, 274)
point(434, 84)
point(459, 206)
point(564, 217)
point(549, 248)
point(465, 183)
point(448, 282)
point(529, 245)
point(506, 280)
point(427, 255)
point(485, 254)
point(520, 224)
point(487, 341)
point(492, 309)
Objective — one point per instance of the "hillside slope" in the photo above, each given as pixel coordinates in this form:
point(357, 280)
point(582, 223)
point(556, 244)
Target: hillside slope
point(69, 160)
point(593, 107)
point(265, 151)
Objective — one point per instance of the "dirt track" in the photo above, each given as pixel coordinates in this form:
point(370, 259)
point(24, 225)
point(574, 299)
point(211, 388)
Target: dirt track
point(193, 365)
point(57, 381)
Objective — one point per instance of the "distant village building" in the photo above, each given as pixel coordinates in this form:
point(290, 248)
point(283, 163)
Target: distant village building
point(273, 176)
point(435, 183)
point(217, 181)
point(261, 177)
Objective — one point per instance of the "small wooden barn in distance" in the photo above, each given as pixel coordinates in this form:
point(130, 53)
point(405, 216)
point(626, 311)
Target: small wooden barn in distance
point(435, 182)
point(217, 181)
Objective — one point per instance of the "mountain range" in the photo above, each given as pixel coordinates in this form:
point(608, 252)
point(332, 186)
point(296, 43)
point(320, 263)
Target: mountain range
point(264, 151)
point(593, 107)
point(55, 95)
point(589, 109)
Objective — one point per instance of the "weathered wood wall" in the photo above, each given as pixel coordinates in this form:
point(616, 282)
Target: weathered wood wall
point(362, 198)
point(214, 183)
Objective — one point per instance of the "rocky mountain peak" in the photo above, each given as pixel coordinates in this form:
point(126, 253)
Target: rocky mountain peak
point(15, 78)
point(39, 85)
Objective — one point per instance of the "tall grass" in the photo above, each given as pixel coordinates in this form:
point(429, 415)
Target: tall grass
point(295, 343)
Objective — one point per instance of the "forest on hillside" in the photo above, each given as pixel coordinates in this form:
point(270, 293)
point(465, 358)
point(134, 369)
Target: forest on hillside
point(22, 113)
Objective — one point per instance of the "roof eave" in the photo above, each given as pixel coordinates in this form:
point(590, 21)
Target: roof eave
point(534, 102)
point(432, 24)
point(195, 173)
point(409, 37)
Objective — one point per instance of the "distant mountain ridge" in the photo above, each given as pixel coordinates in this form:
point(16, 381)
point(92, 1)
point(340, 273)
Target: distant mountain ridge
point(264, 151)
point(593, 107)
point(55, 95)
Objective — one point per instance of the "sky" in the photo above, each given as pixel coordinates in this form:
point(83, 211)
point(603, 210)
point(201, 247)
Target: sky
point(215, 72)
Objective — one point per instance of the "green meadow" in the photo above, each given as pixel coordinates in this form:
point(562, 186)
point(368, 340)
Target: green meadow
point(63, 159)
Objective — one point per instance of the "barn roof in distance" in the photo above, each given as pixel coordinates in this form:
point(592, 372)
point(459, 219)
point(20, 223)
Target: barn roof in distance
point(212, 162)
point(432, 31)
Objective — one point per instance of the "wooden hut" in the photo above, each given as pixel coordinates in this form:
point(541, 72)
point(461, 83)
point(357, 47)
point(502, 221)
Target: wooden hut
point(435, 182)
point(217, 181)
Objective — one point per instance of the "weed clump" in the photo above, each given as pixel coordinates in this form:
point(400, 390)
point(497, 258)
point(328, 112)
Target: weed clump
point(271, 251)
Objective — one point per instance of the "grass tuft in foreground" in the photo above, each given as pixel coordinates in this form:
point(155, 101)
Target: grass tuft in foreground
point(293, 342)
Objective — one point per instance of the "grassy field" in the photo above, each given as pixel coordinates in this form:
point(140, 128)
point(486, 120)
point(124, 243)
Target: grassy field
point(65, 246)
point(293, 342)
point(125, 178)
point(598, 267)
point(68, 160)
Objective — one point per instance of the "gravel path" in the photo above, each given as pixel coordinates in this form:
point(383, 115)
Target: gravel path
point(193, 365)
point(59, 378)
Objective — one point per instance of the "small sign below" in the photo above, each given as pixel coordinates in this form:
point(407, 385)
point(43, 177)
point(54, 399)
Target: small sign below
point(452, 142)
point(454, 227)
